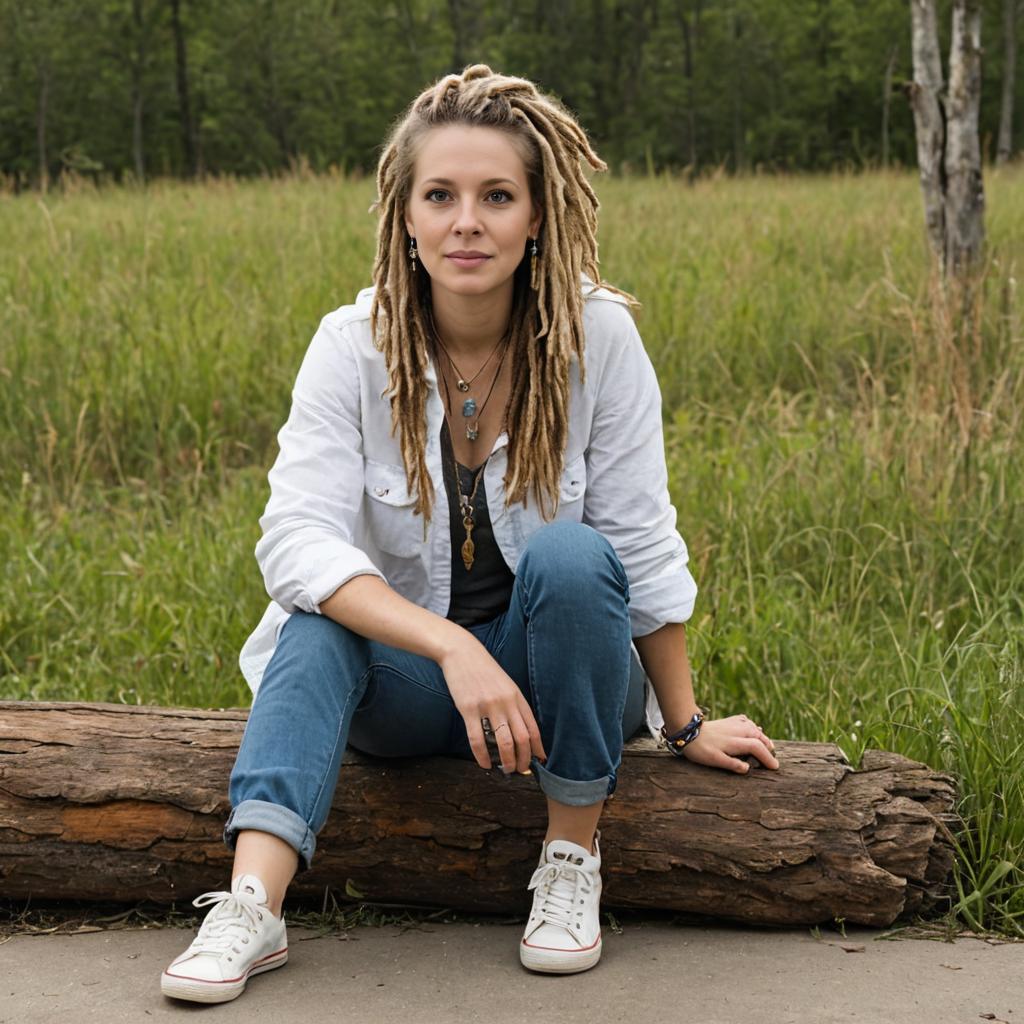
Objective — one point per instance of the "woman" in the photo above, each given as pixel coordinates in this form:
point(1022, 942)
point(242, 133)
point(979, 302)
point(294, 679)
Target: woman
point(469, 526)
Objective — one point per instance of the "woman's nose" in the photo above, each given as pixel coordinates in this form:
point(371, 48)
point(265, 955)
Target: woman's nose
point(467, 219)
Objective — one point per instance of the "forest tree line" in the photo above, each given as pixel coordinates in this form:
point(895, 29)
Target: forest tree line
point(184, 88)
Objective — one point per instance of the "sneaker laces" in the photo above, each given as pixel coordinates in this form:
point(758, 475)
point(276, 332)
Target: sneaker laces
point(557, 885)
point(229, 924)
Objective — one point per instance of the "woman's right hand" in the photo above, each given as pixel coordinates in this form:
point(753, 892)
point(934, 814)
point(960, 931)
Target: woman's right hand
point(482, 689)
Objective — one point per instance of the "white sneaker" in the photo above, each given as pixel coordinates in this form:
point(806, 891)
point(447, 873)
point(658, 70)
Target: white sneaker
point(563, 933)
point(239, 937)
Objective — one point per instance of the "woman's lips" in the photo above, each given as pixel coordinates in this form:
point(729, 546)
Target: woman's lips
point(468, 261)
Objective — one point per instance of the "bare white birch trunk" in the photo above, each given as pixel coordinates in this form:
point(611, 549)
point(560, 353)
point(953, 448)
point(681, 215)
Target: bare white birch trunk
point(965, 194)
point(1004, 147)
point(929, 124)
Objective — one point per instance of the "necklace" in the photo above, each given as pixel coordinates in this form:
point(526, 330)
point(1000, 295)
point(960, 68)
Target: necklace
point(462, 383)
point(466, 501)
point(469, 406)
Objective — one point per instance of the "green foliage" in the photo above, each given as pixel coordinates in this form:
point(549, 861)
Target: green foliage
point(858, 554)
point(276, 84)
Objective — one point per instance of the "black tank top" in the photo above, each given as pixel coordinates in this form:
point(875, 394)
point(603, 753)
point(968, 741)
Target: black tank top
point(483, 592)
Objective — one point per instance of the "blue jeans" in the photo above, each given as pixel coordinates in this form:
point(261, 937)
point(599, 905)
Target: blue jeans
point(564, 640)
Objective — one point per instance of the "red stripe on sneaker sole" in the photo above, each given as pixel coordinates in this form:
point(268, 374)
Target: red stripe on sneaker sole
point(557, 949)
point(230, 981)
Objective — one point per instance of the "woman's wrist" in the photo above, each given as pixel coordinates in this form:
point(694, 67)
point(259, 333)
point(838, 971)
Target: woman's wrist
point(679, 716)
point(450, 637)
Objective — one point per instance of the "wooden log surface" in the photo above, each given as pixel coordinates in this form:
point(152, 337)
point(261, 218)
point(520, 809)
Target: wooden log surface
point(126, 803)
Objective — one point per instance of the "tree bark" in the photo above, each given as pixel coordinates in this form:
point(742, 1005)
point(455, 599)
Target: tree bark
point(115, 802)
point(1004, 147)
point(929, 123)
point(188, 139)
point(965, 194)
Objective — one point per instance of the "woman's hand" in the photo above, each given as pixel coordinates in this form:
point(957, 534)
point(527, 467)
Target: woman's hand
point(720, 739)
point(482, 689)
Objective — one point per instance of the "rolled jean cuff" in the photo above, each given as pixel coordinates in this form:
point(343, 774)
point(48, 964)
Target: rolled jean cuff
point(569, 791)
point(277, 820)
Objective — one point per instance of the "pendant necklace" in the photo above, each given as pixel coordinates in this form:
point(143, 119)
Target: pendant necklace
point(468, 550)
point(461, 382)
point(466, 500)
point(469, 406)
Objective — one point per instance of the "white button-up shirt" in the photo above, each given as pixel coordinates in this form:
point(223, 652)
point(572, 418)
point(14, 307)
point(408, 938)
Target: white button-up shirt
point(340, 505)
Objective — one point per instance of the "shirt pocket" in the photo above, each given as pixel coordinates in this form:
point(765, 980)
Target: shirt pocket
point(571, 488)
point(389, 510)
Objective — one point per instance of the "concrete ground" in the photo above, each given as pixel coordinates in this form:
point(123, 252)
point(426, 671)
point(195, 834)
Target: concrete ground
point(653, 971)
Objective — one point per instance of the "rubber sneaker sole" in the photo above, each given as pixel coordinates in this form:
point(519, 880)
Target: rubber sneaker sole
point(559, 961)
point(198, 991)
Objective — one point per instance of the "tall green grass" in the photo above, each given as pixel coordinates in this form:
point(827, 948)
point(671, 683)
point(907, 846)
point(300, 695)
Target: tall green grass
point(844, 457)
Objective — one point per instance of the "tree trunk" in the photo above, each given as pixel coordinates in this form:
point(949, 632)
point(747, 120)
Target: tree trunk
point(690, 44)
point(458, 40)
point(41, 112)
point(965, 194)
point(123, 803)
point(138, 69)
point(1004, 149)
point(739, 158)
point(890, 67)
point(929, 124)
point(188, 139)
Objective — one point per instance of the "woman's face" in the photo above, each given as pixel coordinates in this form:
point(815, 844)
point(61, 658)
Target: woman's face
point(470, 209)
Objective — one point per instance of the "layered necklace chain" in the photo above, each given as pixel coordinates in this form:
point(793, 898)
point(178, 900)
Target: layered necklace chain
point(469, 405)
point(469, 410)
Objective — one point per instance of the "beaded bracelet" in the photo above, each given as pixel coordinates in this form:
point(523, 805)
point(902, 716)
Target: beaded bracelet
point(687, 734)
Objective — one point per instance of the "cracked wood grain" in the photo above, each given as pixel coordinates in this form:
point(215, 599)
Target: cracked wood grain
point(124, 803)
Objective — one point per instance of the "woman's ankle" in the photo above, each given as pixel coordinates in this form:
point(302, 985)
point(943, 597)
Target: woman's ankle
point(272, 860)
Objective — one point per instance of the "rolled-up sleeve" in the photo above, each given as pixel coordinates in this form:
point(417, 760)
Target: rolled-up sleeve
point(627, 498)
point(316, 483)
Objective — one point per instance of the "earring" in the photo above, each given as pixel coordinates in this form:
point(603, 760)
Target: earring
point(533, 263)
point(413, 254)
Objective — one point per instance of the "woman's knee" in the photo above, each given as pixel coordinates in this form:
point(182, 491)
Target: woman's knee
point(311, 645)
point(573, 556)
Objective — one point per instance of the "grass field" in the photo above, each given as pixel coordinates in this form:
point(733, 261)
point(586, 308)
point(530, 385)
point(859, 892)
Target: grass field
point(845, 461)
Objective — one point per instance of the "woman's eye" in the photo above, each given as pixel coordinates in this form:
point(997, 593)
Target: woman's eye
point(436, 192)
point(500, 192)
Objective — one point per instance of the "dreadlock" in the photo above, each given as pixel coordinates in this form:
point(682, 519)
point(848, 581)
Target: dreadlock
point(546, 328)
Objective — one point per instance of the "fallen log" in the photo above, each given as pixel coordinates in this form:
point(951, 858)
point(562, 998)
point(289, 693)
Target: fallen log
point(123, 803)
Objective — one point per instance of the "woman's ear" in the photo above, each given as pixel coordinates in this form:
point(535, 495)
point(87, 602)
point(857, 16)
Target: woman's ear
point(538, 219)
point(408, 222)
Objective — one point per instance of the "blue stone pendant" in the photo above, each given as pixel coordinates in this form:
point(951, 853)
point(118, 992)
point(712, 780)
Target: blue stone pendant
point(469, 407)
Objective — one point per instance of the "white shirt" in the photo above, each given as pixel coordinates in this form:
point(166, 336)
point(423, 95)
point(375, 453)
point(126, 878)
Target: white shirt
point(339, 504)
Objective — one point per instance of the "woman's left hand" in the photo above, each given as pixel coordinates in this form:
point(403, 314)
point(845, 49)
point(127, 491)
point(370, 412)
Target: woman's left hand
point(720, 739)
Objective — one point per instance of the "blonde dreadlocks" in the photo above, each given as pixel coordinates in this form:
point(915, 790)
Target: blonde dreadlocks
point(547, 307)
